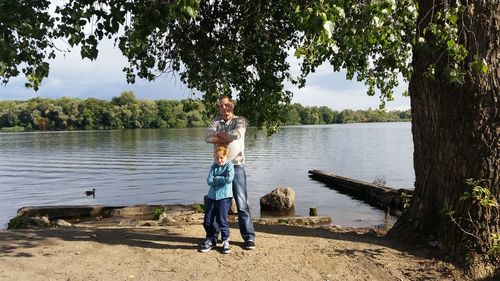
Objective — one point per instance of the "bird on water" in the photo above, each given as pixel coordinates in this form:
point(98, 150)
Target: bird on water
point(90, 192)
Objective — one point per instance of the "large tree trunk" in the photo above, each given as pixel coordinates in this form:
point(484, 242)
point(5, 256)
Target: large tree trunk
point(456, 135)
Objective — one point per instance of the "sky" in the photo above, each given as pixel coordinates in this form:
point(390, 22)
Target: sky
point(71, 76)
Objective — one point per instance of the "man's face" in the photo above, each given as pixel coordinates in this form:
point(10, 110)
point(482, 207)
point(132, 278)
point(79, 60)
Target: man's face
point(225, 108)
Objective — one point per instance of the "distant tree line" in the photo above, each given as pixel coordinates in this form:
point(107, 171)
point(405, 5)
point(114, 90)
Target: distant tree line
point(128, 112)
point(296, 114)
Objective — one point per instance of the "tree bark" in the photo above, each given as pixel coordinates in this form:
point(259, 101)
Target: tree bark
point(456, 135)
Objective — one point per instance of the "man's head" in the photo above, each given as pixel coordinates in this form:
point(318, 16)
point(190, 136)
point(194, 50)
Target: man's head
point(226, 107)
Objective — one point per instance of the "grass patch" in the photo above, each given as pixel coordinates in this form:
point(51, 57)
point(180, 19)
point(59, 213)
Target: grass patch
point(198, 208)
point(158, 211)
point(16, 223)
point(12, 129)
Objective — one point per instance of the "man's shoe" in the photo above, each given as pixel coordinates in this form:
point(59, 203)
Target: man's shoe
point(249, 245)
point(226, 248)
point(206, 246)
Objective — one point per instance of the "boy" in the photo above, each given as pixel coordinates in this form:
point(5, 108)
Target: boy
point(220, 179)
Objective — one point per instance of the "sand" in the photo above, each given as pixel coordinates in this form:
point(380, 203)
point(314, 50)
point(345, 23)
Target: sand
point(170, 253)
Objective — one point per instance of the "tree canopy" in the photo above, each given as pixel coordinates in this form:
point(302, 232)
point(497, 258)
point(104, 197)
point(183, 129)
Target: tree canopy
point(239, 48)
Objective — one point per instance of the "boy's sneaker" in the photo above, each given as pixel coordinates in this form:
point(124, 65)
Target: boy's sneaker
point(206, 246)
point(249, 245)
point(226, 248)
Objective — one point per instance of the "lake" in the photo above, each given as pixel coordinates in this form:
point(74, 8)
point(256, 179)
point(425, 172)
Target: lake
point(169, 166)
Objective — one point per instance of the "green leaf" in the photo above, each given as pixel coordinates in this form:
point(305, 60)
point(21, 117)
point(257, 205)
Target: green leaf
point(191, 12)
point(453, 18)
point(479, 66)
point(328, 28)
point(450, 44)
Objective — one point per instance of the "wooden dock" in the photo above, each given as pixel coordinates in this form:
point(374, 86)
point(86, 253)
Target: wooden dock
point(384, 198)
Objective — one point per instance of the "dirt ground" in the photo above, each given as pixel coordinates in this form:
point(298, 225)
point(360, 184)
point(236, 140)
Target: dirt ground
point(170, 253)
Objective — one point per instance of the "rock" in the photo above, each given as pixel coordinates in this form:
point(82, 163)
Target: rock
point(62, 223)
point(127, 222)
point(147, 223)
point(42, 221)
point(281, 198)
point(164, 216)
point(168, 221)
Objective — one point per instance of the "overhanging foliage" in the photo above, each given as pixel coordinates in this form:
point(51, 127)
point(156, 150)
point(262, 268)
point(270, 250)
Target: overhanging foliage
point(219, 47)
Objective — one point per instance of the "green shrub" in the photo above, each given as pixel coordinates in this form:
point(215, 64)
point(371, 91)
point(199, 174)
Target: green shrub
point(158, 211)
point(16, 223)
point(198, 208)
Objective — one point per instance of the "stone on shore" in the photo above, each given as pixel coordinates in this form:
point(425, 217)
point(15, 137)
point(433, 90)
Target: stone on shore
point(282, 198)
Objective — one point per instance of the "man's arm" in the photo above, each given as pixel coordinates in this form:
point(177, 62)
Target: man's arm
point(217, 138)
point(237, 132)
point(224, 138)
point(212, 135)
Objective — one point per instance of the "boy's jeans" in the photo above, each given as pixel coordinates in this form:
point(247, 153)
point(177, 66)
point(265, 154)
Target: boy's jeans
point(240, 196)
point(216, 212)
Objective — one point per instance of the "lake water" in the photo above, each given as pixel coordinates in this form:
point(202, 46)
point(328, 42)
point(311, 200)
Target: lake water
point(169, 166)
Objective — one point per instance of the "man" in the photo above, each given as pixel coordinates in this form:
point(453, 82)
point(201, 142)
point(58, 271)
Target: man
point(229, 130)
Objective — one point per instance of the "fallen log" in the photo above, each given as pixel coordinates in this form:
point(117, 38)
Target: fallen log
point(388, 199)
point(131, 216)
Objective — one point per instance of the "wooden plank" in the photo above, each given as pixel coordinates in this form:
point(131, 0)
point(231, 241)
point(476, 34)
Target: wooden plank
point(381, 197)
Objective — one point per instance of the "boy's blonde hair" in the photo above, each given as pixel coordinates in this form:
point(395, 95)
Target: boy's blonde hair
point(221, 150)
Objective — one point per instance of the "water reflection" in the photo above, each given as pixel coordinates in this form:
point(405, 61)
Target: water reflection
point(277, 213)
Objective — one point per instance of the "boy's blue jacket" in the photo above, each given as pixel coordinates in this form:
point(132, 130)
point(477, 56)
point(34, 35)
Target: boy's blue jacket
point(220, 180)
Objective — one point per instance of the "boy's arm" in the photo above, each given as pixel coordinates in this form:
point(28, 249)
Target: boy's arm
point(228, 175)
point(211, 177)
point(226, 178)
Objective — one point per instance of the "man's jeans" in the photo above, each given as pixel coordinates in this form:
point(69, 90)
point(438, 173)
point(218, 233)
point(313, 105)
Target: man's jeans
point(241, 198)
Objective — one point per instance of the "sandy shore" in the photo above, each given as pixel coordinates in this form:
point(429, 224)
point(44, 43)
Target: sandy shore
point(170, 253)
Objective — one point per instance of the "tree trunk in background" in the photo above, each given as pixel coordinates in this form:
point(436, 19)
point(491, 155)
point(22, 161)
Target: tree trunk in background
point(456, 135)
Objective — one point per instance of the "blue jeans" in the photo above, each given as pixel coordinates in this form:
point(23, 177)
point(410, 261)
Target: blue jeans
point(241, 198)
point(217, 211)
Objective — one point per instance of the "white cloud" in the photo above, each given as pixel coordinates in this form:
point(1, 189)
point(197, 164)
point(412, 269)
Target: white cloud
point(355, 98)
point(325, 87)
point(103, 78)
point(332, 89)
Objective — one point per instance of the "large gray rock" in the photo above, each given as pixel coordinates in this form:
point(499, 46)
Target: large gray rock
point(282, 198)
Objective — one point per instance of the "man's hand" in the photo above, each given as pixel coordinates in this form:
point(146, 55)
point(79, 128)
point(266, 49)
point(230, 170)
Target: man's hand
point(220, 138)
point(223, 136)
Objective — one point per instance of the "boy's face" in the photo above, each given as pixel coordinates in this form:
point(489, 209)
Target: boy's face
point(220, 159)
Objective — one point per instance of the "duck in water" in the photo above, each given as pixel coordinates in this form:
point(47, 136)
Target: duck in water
point(90, 192)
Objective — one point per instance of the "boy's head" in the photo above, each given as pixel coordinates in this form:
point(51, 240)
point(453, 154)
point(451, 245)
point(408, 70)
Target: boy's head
point(220, 155)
